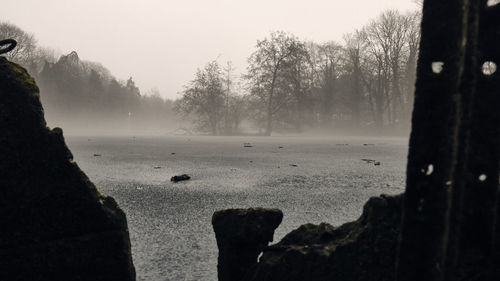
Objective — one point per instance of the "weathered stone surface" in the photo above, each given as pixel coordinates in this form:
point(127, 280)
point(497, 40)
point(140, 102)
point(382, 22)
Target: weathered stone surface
point(451, 212)
point(241, 236)
point(54, 224)
point(356, 251)
point(435, 160)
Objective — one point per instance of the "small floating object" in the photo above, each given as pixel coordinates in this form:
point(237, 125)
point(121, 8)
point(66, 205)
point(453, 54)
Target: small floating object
point(96, 155)
point(247, 144)
point(376, 163)
point(368, 160)
point(280, 146)
point(182, 177)
point(293, 165)
point(156, 167)
point(366, 144)
point(173, 153)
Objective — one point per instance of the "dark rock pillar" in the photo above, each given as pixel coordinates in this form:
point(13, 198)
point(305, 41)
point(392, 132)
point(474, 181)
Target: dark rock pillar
point(449, 216)
point(482, 175)
point(434, 142)
point(54, 224)
point(241, 236)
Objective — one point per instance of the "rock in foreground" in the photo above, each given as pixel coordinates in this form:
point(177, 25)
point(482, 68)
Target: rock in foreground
point(54, 224)
point(241, 236)
point(363, 250)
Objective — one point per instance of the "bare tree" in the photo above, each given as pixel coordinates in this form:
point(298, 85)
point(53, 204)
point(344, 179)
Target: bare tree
point(228, 80)
point(355, 48)
point(413, 41)
point(237, 111)
point(325, 62)
point(204, 97)
point(26, 43)
point(387, 39)
point(265, 71)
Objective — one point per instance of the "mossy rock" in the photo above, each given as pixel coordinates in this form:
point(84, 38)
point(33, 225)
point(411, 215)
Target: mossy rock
point(54, 223)
point(241, 236)
point(362, 250)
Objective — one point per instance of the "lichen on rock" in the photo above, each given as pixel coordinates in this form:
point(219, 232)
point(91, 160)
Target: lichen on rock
point(55, 225)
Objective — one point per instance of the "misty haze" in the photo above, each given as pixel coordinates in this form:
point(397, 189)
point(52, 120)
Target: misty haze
point(310, 95)
point(303, 106)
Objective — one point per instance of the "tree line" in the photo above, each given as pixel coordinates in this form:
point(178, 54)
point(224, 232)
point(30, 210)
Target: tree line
point(83, 95)
point(364, 84)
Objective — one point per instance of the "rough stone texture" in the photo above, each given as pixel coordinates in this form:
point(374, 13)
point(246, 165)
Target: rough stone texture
point(241, 236)
point(54, 224)
point(356, 251)
point(435, 158)
point(450, 227)
point(479, 209)
point(450, 214)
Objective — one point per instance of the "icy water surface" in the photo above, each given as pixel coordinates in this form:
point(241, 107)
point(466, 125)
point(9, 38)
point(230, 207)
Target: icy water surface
point(310, 179)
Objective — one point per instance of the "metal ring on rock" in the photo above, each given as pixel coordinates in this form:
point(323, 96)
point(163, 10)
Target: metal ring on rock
point(11, 45)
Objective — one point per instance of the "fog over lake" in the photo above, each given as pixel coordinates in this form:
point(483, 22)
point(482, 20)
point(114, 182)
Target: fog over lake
point(311, 179)
point(304, 106)
point(250, 140)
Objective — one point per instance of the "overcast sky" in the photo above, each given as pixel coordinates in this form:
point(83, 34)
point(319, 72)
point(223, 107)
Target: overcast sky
point(161, 43)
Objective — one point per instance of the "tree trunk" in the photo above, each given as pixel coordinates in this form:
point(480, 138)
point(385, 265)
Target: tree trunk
point(356, 91)
point(269, 127)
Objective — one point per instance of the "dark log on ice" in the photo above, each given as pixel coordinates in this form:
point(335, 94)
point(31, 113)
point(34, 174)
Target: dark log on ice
point(183, 177)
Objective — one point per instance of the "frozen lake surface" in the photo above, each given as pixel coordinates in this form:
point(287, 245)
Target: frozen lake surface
point(170, 223)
